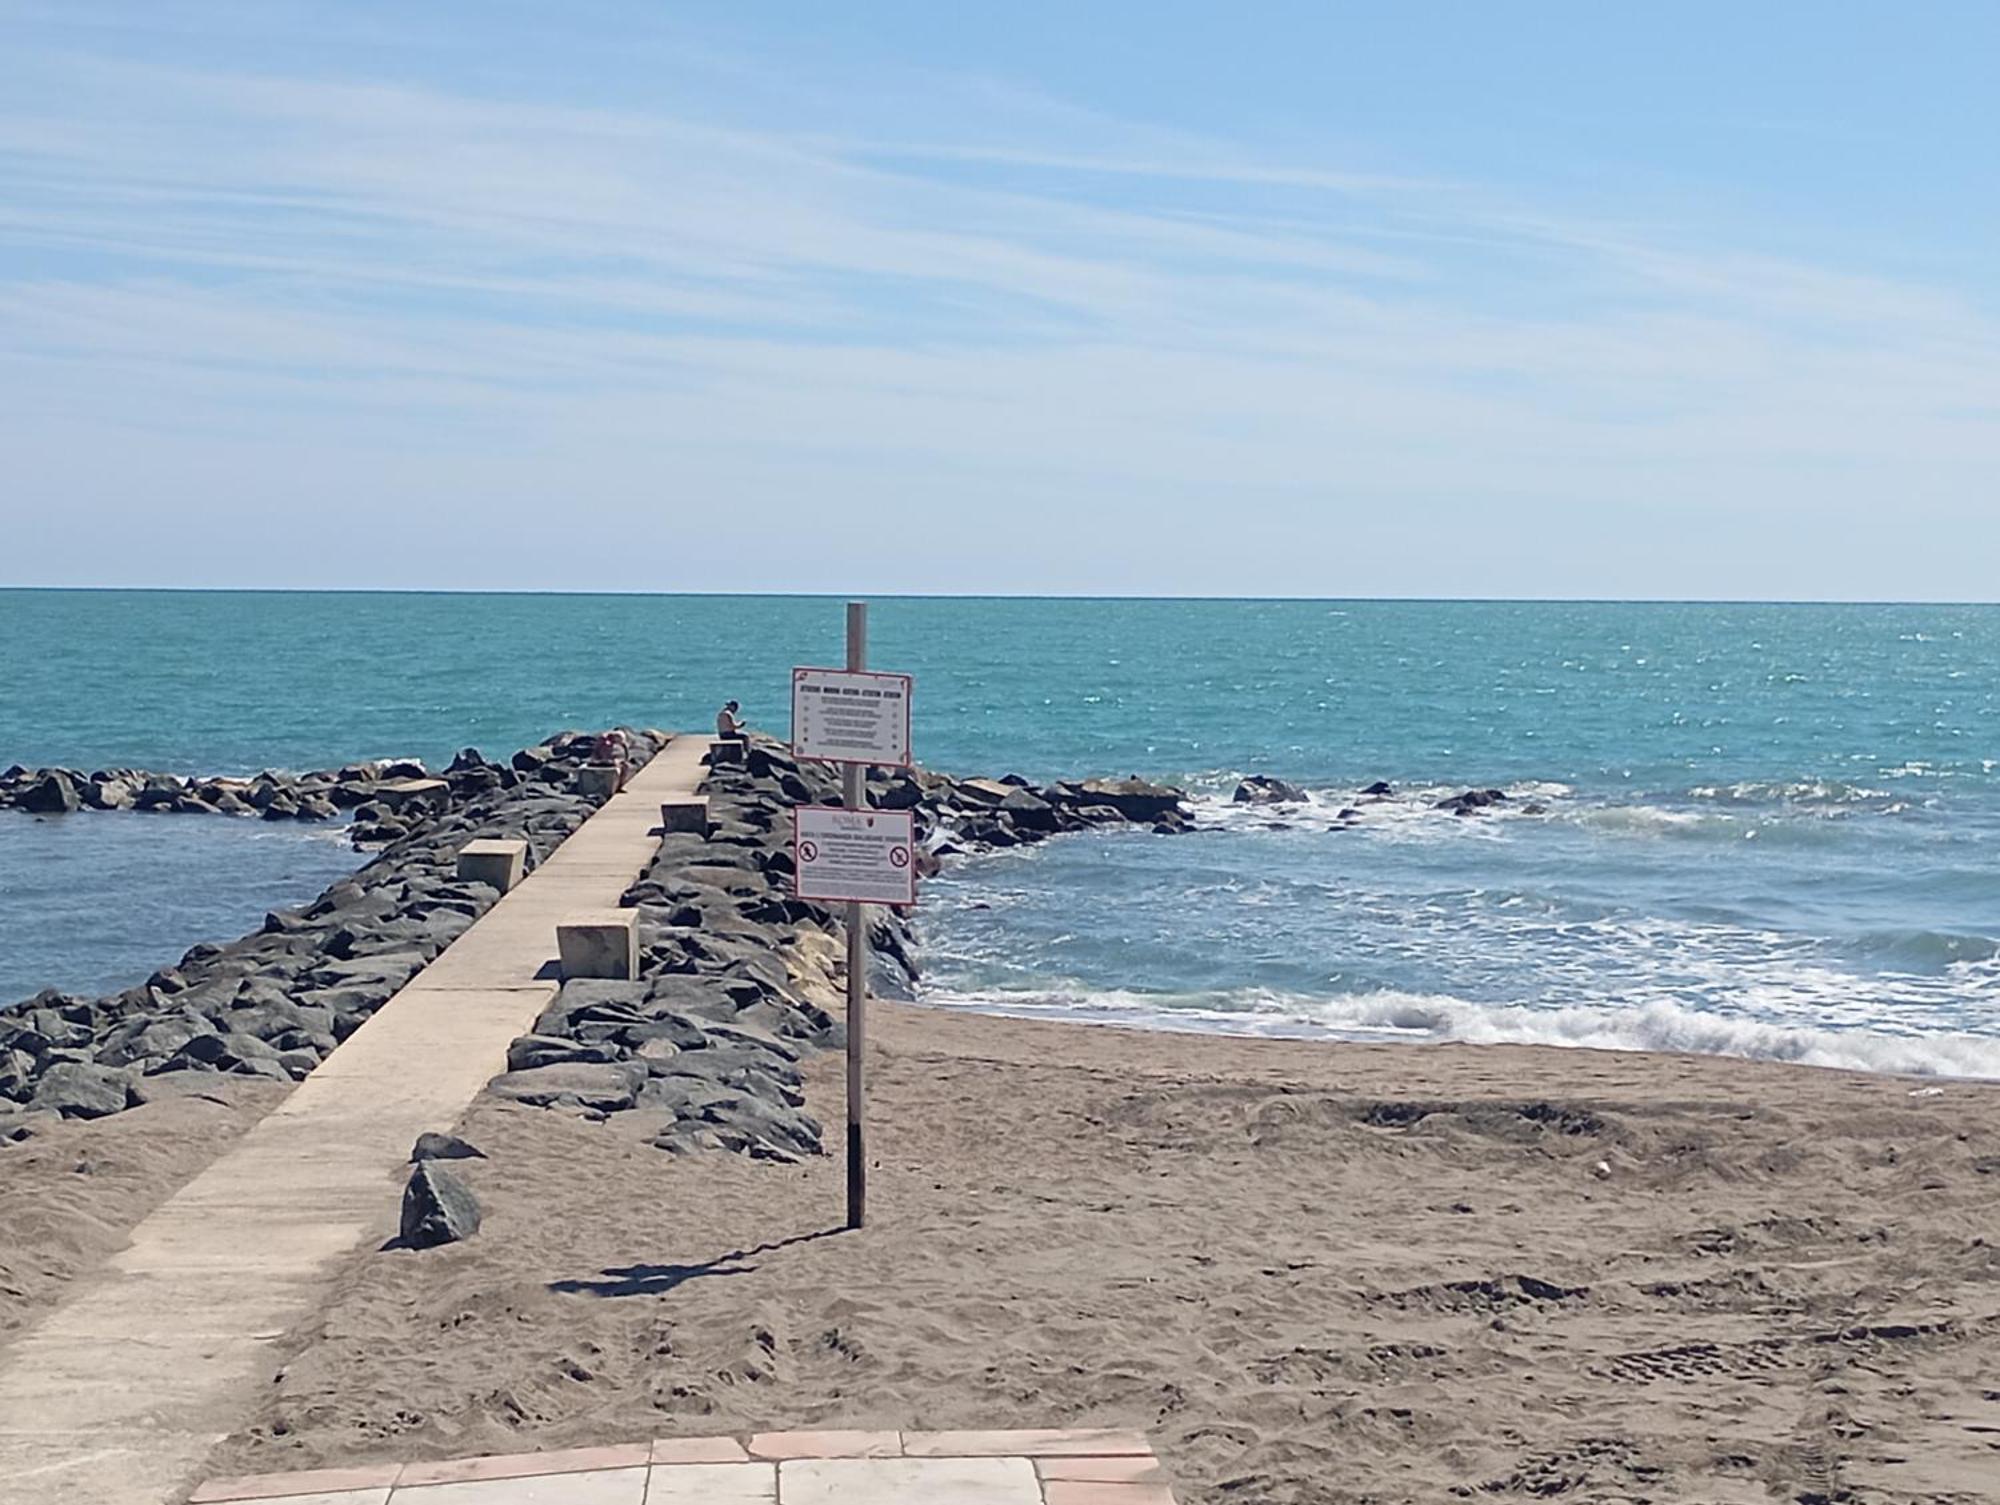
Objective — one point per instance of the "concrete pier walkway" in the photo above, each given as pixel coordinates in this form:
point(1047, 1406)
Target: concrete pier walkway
point(115, 1396)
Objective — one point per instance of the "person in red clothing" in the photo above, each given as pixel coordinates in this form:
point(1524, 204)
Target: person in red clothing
point(613, 751)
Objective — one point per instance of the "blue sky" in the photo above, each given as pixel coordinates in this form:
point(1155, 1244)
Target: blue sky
point(1328, 299)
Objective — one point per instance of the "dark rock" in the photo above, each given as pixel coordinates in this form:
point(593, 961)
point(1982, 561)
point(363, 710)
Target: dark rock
point(1134, 799)
point(603, 1086)
point(388, 970)
point(433, 1146)
point(151, 1039)
point(1379, 789)
point(17, 1074)
point(77, 1089)
point(982, 791)
point(902, 793)
point(530, 1052)
point(1261, 789)
point(56, 794)
point(438, 1208)
point(104, 792)
point(1471, 800)
point(1030, 812)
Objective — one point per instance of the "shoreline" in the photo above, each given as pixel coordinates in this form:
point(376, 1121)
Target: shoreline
point(1309, 1271)
point(1163, 1025)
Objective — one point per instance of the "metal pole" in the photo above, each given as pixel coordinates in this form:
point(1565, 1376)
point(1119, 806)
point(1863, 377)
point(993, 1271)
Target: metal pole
point(857, 959)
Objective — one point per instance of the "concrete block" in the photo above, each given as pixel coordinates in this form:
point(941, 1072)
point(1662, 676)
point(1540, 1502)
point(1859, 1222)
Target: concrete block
point(726, 750)
point(503, 864)
point(601, 944)
point(684, 813)
point(403, 794)
point(597, 781)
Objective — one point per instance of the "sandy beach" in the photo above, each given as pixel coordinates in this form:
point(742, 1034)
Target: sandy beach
point(1310, 1272)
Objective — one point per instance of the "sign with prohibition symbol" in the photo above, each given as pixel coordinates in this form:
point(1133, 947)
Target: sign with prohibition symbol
point(860, 856)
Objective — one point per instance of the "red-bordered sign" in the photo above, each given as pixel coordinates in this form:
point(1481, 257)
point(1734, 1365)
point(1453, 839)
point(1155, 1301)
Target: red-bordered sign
point(854, 856)
point(851, 716)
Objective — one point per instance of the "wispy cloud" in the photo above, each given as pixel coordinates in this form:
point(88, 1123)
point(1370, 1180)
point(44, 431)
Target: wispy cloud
point(226, 272)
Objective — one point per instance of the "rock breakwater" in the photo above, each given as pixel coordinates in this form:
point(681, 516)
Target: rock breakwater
point(387, 799)
point(739, 977)
point(276, 1002)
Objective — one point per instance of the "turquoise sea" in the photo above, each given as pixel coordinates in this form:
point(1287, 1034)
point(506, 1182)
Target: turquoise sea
point(1764, 829)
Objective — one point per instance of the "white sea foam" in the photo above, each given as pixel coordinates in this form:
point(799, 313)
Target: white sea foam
point(1432, 1018)
point(1410, 813)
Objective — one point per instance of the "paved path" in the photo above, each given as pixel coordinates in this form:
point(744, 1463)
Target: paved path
point(117, 1395)
point(1077, 1467)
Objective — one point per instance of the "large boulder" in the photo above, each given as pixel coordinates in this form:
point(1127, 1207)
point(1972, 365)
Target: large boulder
point(1135, 799)
point(1261, 789)
point(434, 1146)
point(1030, 812)
point(145, 1039)
point(17, 1074)
point(438, 1208)
point(596, 1086)
point(77, 1089)
point(55, 794)
point(982, 791)
point(108, 792)
point(1471, 800)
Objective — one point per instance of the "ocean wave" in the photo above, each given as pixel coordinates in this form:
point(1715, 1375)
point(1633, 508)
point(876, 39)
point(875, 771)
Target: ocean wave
point(1653, 820)
point(1434, 1018)
point(1789, 792)
point(1791, 811)
point(1927, 950)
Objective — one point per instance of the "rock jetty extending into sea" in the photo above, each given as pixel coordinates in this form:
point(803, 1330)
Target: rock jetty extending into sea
point(387, 799)
point(737, 977)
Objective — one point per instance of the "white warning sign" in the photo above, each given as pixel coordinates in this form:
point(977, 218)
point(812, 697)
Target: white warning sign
point(862, 856)
point(847, 716)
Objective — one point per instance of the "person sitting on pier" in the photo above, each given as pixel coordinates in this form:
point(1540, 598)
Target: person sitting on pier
point(612, 750)
point(727, 723)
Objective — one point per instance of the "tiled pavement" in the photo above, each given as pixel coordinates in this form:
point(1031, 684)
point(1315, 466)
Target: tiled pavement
point(1091, 1467)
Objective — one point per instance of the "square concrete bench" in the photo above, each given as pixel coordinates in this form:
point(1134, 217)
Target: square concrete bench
point(598, 781)
point(503, 864)
point(687, 812)
point(726, 750)
point(603, 943)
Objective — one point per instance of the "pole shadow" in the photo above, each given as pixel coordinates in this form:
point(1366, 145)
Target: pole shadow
point(658, 1280)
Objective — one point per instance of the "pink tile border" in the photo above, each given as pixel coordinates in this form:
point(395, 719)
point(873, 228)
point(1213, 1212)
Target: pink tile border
point(699, 1450)
point(786, 1445)
point(1132, 1469)
point(317, 1481)
point(526, 1465)
point(1077, 1492)
point(1037, 1443)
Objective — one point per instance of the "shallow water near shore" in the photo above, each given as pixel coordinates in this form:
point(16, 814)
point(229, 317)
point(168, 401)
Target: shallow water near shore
point(1760, 830)
point(95, 902)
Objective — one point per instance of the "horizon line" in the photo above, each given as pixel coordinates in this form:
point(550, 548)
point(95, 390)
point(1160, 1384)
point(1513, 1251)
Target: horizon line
point(803, 595)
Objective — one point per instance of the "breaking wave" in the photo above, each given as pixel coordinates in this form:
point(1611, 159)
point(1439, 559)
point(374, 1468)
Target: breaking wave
point(1432, 1018)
